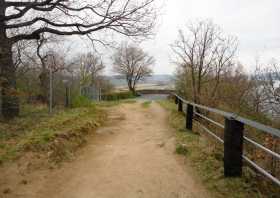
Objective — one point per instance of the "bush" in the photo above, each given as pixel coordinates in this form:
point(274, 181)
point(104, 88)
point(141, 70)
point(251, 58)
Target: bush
point(82, 101)
point(118, 96)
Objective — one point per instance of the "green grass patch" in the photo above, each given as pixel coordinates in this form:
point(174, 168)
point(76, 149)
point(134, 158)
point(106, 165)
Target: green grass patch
point(57, 134)
point(82, 101)
point(181, 149)
point(206, 157)
point(146, 104)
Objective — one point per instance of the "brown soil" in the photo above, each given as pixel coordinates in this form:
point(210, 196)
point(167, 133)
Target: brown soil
point(132, 156)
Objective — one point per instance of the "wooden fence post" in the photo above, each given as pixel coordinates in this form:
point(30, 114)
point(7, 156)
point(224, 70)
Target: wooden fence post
point(189, 116)
point(233, 148)
point(180, 105)
point(176, 100)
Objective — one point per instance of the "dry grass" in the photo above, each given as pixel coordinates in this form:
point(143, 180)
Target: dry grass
point(206, 156)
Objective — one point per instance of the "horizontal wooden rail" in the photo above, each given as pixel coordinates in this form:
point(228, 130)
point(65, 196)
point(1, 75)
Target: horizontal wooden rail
point(233, 137)
point(225, 114)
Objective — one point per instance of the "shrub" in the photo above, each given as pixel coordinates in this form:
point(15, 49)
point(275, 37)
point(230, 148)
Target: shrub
point(118, 96)
point(82, 101)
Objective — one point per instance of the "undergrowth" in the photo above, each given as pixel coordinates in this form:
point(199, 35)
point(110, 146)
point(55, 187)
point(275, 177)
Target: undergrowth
point(114, 96)
point(206, 157)
point(82, 101)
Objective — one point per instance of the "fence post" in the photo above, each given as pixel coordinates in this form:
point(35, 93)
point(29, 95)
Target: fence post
point(189, 116)
point(176, 100)
point(233, 148)
point(180, 105)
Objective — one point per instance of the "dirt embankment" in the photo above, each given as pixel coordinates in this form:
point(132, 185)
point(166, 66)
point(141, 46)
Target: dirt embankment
point(132, 156)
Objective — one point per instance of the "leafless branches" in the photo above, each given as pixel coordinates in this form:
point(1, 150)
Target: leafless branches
point(204, 53)
point(265, 92)
point(31, 18)
point(90, 68)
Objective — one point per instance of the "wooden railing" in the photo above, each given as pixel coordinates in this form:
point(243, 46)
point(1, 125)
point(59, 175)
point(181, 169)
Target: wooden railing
point(233, 137)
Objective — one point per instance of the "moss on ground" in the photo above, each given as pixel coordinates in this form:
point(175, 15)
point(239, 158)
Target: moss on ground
point(206, 157)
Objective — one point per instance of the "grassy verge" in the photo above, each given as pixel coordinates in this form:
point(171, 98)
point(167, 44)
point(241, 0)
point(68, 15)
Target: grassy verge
point(57, 135)
point(206, 157)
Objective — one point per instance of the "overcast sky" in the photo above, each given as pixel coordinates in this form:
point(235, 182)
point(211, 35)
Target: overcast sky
point(254, 22)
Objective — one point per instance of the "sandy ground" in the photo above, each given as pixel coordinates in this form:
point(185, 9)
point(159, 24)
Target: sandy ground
point(131, 157)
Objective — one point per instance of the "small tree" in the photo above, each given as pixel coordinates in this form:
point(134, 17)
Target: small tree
point(133, 63)
point(267, 79)
point(91, 67)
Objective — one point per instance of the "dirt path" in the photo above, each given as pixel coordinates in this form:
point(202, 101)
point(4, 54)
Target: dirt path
point(131, 157)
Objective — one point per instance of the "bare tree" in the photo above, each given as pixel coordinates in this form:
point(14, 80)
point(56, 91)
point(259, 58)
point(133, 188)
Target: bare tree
point(204, 53)
point(267, 79)
point(272, 87)
point(51, 57)
point(255, 96)
point(133, 63)
point(91, 67)
point(28, 19)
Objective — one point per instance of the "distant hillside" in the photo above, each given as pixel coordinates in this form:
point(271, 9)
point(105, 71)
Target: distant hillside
point(267, 75)
point(166, 79)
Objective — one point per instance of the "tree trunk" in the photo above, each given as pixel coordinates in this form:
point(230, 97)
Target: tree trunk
point(193, 81)
point(10, 100)
point(131, 89)
point(130, 86)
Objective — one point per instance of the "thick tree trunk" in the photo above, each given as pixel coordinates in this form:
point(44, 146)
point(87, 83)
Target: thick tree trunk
point(10, 101)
